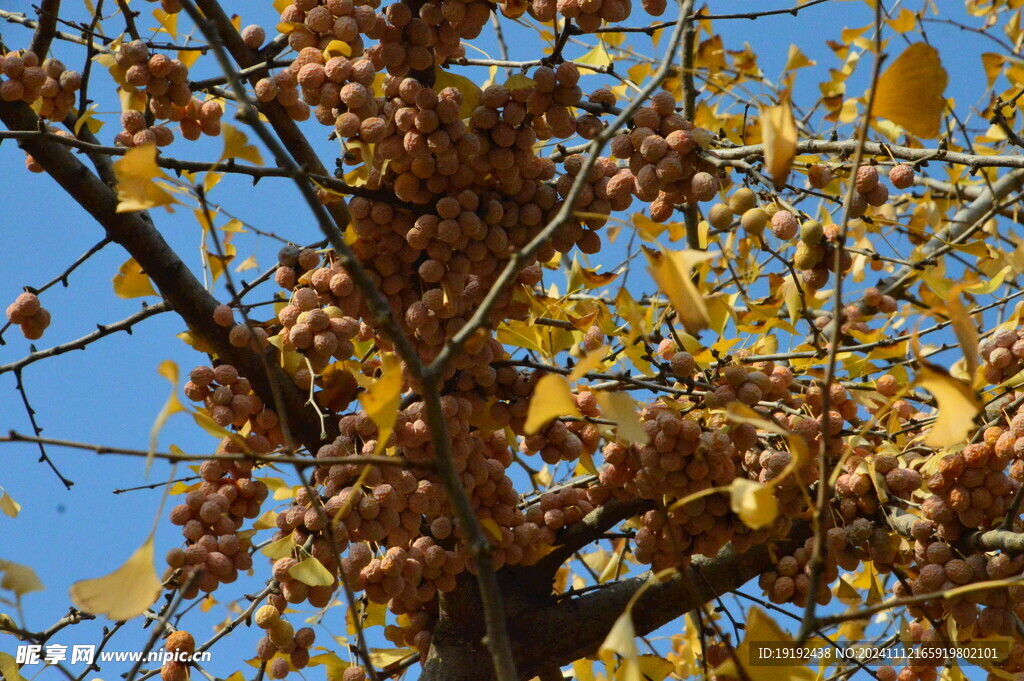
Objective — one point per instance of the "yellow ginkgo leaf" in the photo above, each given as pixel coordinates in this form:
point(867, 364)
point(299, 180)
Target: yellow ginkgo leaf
point(596, 57)
point(337, 48)
point(382, 399)
point(519, 81)
point(991, 284)
point(125, 593)
point(762, 629)
point(797, 59)
point(311, 572)
point(168, 370)
point(236, 145)
point(131, 282)
point(591, 361)
point(909, 91)
point(382, 657)
point(8, 506)
point(21, 579)
point(957, 402)
point(621, 641)
point(778, 133)
point(753, 502)
point(136, 174)
point(654, 667)
point(966, 332)
point(491, 527)
point(282, 548)
point(9, 668)
point(624, 410)
point(672, 272)
point(737, 412)
point(470, 91)
point(551, 398)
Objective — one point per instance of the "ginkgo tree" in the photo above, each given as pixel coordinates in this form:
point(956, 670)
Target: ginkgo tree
point(444, 427)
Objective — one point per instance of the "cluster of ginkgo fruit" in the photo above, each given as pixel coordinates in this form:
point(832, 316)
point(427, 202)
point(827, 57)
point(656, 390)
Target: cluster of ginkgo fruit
point(28, 313)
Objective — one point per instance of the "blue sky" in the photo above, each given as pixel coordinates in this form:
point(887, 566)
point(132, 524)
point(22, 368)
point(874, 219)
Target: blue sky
point(111, 393)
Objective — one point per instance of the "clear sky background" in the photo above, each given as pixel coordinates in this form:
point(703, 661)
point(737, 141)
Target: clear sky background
point(111, 393)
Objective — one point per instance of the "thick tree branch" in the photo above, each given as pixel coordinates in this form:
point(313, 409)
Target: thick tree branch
point(46, 28)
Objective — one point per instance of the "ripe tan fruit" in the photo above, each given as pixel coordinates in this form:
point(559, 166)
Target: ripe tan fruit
point(266, 616)
point(901, 176)
point(180, 642)
point(174, 671)
point(742, 200)
point(819, 176)
point(811, 232)
point(278, 668)
point(281, 633)
point(807, 255)
point(754, 220)
point(784, 225)
point(720, 216)
point(867, 179)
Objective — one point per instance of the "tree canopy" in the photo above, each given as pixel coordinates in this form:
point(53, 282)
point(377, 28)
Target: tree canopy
point(664, 337)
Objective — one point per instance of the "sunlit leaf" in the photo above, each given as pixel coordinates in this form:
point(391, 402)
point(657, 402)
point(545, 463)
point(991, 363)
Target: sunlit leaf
point(382, 657)
point(282, 548)
point(797, 59)
point(236, 145)
point(909, 91)
point(753, 502)
point(672, 271)
point(966, 332)
point(778, 133)
point(168, 370)
point(311, 572)
point(123, 594)
point(9, 668)
point(552, 398)
point(761, 629)
point(382, 399)
point(8, 506)
point(593, 360)
point(958, 406)
point(131, 282)
point(21, 579)
point(624, 410)
point(598, 57)
point(136, 174)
